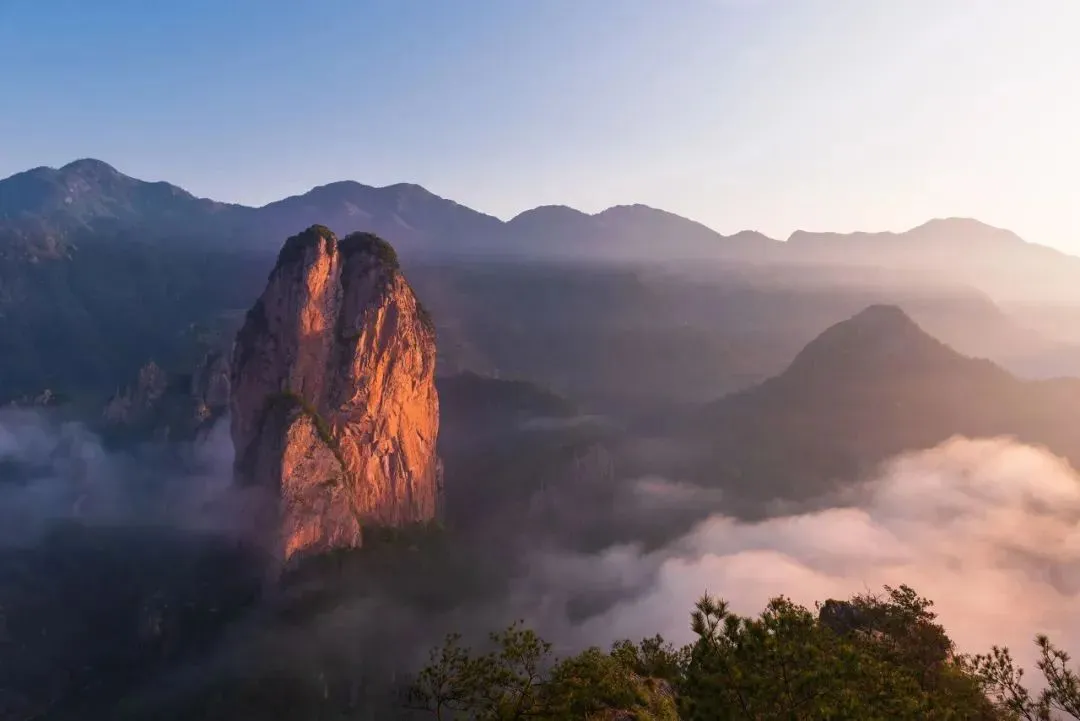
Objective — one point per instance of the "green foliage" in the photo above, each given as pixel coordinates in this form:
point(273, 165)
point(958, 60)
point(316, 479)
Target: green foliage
point(372, 245)
point(873, 657)
point(881, 657)
point(425, 317)
point(384, 550)
point(518, 679)
point(1003, 683)
point(412, 535)
point(83, 325)
point(295, 246)
point(787, 664)
point(595, 685)
point(292, 400)
point(502, 684)
point(652, 658)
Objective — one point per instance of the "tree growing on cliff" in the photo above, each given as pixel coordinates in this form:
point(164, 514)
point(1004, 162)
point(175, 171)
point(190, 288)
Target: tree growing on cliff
point(871, 657)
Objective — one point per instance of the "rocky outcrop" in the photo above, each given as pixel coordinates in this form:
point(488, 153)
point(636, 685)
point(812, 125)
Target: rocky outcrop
point(843, 617)
point(161, 405)
point(210, 387)
point(45, 399)
point(333, 402)
point(139, 399)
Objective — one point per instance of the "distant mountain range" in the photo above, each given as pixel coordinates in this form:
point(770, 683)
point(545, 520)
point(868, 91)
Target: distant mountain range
point(101, 273)
point(865, 390)
point(49, 208)
point(644, 346)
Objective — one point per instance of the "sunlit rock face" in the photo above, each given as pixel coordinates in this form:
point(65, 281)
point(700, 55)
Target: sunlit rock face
point(333, 402)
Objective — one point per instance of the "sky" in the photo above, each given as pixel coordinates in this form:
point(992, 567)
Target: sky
point(769, 115)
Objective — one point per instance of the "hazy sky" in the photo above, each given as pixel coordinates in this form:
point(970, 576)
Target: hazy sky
point(763, 114)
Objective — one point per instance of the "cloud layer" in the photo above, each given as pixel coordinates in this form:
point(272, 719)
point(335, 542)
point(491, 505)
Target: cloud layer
point(52, 470)
point(988, 529)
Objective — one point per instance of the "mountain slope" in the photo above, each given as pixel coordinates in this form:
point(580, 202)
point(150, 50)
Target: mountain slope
point(416, 219)
point(628, 231)
point(865, 390)
point(88, 200)
point(87, 191)
point(101, 273)
point(995, 260)
point(88, 322)
point(90, 194)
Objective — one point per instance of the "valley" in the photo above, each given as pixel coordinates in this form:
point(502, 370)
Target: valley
point(505, 399)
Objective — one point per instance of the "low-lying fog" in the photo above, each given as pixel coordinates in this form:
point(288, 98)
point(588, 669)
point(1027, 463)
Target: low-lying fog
point(987, 528)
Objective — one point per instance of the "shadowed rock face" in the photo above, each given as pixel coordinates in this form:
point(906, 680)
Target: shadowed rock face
point(333, 400)
point(168, 406)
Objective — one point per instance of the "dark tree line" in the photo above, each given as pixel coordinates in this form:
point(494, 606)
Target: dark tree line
point(872, 657)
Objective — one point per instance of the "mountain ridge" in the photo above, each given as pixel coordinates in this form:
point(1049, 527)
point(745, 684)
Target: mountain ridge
point(131, 271)
point(80, 173)
point(838, 410)
point(880, 344)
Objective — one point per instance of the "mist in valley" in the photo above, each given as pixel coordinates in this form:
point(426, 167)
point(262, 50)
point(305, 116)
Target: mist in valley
point(333, 333)
point(985, 527)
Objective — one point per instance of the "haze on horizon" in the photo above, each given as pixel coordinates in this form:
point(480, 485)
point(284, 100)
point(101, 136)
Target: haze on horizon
point(771, 115)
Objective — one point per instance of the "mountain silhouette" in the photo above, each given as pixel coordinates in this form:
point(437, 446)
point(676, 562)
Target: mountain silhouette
point(89, 194)
point(996, 260)
point(865, 390)
point(416, 219)
point(880, 343)
point(628, 302)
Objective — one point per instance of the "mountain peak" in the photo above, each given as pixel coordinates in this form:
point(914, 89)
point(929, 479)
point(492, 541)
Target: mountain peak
point(955, 222)
point(752, 235)
point(372, 245)
point(323, 241)
point(411, 188)
point(955, 232)
point(334, 408)
point(965, 232)
point(880, 339)
point(296, 246)
point(632, 210)
point(87, 191)
point(878, 327)
point(90, 166)
point(883, 316)
point(547, 213)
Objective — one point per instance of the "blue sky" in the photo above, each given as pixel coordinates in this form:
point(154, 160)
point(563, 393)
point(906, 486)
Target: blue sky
point(763, 114)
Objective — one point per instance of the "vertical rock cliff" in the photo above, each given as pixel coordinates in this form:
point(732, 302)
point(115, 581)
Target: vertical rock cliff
point(333, 403)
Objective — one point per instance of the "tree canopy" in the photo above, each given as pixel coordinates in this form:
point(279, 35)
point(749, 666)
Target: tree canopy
point(871, 657)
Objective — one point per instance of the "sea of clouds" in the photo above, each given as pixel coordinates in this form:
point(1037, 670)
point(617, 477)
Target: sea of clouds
point(986, 528)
